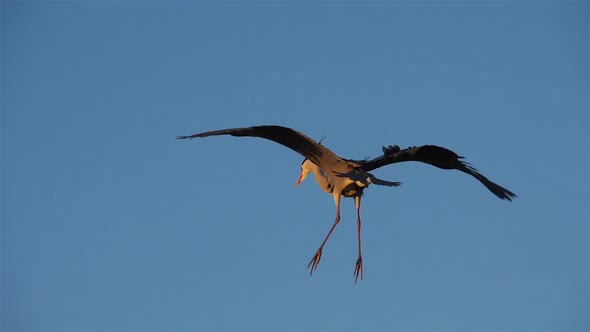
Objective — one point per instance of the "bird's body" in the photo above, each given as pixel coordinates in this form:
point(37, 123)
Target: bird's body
point(348, 178)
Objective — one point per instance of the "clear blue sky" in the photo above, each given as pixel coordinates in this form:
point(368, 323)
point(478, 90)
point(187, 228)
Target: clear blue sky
point(108, 223)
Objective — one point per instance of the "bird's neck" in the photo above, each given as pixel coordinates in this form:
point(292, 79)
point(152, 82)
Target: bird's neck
point(321, 179)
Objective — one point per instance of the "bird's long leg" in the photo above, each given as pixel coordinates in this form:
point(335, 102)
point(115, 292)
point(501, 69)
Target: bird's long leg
point(358, 270)
point(315, 261)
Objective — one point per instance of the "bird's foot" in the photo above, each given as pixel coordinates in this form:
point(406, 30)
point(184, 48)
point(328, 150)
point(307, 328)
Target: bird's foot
point(358, 270)
point(315, 261)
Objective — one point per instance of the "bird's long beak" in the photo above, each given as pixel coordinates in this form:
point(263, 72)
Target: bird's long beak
point(301, 177)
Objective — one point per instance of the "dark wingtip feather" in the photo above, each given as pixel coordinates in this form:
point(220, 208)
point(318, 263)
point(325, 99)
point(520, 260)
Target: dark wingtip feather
point(497, 190)
point(187, 137)
point(509, 195)
point(468, 165)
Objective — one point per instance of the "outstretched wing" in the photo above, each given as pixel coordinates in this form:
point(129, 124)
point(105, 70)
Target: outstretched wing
point(294, 140)
point(435, 156)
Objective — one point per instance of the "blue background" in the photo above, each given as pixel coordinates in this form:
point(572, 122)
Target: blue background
point(109, 223)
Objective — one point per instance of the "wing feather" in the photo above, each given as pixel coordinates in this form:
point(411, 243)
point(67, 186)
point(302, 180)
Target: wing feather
point(294, 140)
point(436, 156)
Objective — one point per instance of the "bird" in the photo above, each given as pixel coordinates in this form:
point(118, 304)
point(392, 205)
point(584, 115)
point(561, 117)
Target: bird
point(342, 177)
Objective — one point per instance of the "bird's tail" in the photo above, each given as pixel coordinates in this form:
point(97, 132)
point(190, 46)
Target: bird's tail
point(374, 180)
point(366, 178)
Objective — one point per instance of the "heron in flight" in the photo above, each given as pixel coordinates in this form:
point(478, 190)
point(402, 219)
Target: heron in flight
point(341, 177)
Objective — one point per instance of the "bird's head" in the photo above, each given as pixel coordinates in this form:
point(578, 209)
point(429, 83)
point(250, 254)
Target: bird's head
point(305, 170)
point(306, 166)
